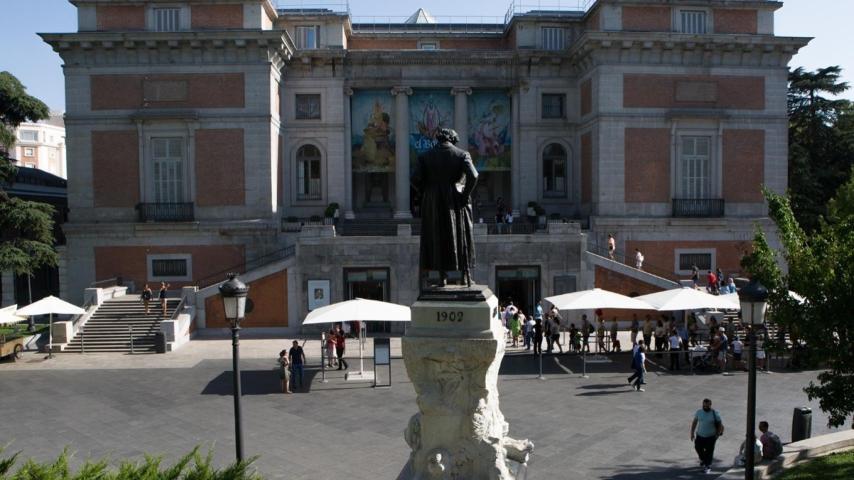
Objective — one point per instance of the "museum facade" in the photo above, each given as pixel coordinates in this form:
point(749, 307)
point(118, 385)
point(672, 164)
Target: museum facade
point(211, 136)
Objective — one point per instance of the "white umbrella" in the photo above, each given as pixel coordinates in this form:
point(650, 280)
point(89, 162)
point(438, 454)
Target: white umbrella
point(595, 298)
point(7, 315)
point(688, 299)
point(48, 306)
point(359, 309)
point(362, 310)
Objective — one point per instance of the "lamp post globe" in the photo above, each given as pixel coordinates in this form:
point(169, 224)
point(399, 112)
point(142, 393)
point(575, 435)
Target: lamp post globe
point(754, 300)
point(234, 293)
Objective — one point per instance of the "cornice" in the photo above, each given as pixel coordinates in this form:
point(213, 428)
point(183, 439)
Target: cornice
point(415, 57)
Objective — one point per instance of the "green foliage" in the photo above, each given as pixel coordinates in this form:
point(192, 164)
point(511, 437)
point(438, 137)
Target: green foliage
point(821, 141)
point(820, 270)
point(192, 466)
point(26, 228)
point(837, 466)
point(330, 210)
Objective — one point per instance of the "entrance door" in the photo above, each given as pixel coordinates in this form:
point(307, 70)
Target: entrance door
point(521, 285)
point(371, 284)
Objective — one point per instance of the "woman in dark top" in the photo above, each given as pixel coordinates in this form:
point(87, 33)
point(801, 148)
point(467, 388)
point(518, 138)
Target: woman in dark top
point(146, 297)
point(162, 295)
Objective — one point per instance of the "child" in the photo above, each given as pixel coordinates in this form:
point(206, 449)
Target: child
point(284, 371)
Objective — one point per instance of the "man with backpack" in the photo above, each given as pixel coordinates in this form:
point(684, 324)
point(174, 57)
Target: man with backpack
point(707, 426)
point(772, 447)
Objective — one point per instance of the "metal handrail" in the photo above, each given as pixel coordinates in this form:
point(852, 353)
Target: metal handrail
point(278, 255)
point(698, 207)
point(529, 7)
point(620, 256)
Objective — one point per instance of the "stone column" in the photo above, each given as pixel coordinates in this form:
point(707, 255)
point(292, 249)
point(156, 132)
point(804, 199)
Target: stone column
point(348, 156)
point(62, 267)
point(8, 279)
point(515, 168)
point(452, 352)
point(401, 151)
point(461, 114)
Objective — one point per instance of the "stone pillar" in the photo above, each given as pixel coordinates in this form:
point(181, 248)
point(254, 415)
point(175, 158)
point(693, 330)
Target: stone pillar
point(8, 279)
point(62, 267)
point(452, 351)
point(461, 114)
point(348, 156)
point(515, 166)
point(401, 151)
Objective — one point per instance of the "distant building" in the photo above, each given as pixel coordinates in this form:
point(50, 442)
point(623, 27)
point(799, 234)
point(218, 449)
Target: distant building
point(208, 136)
point(41, 145)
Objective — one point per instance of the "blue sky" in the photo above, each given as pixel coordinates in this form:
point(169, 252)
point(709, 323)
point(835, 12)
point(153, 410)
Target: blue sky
point(40, 69)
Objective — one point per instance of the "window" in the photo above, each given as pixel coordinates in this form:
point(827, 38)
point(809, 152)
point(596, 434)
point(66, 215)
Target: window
point(170, 267)
point(308, 106)
point(695, 167)
point(308, 173)
point(428, 46)
point(554, 38)
point(29, 135)
point(554, 170)
point(29, 152)
point(167, 154)
point(702, 260)
point(308, 36)
point(553, 105)
point(167, 19)
point(693, 21)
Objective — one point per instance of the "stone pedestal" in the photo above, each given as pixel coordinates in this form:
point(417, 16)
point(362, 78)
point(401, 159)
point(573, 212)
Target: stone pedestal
point(453, 350)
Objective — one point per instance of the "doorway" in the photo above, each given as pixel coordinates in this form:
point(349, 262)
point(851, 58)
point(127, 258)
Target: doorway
point(370, 284)
point(520, 285)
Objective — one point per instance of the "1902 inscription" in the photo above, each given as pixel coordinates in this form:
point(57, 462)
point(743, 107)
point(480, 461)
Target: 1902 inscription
point(449, 316)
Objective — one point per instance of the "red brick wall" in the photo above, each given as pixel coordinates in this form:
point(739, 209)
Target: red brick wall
point(120, 17)
point(219, 167)
point(115, 168)
point(660, 91)
point(216, 16)
point(270, 296)
point(743, 165)
point(619, 283)
point(586, 97)
point(735, 21)
point(647, 158)
point(586, 167)
point(659, 255)
point(646, 19)
point(217, 90)
point(130, 262)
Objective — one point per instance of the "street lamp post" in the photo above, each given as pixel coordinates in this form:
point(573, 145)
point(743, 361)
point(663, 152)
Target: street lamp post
point(234, 294)
point(753, 298)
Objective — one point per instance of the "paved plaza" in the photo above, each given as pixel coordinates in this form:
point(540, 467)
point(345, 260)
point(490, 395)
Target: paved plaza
point(118, 406)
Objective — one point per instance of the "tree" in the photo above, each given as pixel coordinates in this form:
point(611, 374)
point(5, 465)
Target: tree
point(26, 243)
point(820, 270)
point(821, 141)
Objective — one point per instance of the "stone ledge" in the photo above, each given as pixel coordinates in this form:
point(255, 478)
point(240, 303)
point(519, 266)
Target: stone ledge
point(796, 453)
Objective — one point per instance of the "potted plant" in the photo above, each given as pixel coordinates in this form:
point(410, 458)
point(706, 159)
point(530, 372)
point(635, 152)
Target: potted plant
point(331, 213)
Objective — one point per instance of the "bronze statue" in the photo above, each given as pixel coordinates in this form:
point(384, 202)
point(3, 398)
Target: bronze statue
point(444, 179)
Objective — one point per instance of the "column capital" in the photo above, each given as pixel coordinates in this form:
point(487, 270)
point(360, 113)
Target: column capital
point(460, 90)
point(348, 91)
point(401, 89)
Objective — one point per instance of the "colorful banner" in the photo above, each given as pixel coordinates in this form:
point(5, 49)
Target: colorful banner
point(429, 110)
point(372, 120)
point(489, 130)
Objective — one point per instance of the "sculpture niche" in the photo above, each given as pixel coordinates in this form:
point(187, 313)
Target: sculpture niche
point(444, 179)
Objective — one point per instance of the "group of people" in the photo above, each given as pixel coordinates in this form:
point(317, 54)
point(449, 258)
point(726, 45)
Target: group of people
point(715, 283)
point(532, 330)
point(147, 295)
point(291, 362)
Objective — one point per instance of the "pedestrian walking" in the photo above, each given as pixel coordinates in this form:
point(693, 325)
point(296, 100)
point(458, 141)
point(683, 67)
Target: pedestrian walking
point(574, 338)
point(549, 332)
point(146, 296)
point(612, 246)
point(648, 328)
point(331, 361)
point(586, 328)
point(615, 342)
point(675, 349)
point(556, 318)
point(538, 336)
point(516, 327)
point(634, 328)
point(639, 366)
point(695, 275)
point(340, 344)
point(600, 335)
point(285, 371)
point(297, 358)
point(164, 287)
point(705, 430)
point(638, 259)
point(660, 338)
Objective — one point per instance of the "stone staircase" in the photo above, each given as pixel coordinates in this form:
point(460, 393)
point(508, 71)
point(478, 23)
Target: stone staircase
point(109, 328)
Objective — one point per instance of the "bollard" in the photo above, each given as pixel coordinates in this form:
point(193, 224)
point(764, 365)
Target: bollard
point(801, 424)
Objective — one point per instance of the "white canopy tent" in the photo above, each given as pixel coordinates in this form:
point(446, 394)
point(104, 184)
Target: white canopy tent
point(595, 298)
point(7, 315)
point(362, 310)
point(48, 306)
point(688, 299)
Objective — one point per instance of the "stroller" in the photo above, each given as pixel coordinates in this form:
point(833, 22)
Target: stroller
point(702, 359)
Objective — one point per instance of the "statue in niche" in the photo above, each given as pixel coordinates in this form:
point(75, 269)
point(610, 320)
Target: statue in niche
point(444, 179)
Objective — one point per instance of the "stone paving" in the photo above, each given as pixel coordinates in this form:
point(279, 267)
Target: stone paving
point(117, 406)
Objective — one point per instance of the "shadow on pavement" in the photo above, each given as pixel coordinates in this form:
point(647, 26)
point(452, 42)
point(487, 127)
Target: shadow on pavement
point(668, 470)
point(255, 382)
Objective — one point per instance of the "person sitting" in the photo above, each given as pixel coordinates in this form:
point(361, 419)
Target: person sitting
point(772, 447)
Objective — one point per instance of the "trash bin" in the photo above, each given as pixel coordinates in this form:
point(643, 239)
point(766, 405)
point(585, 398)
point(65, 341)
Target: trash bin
point(801, 424)
point(160, 342)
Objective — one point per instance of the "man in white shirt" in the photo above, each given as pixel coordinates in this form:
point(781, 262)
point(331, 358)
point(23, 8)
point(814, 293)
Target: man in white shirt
point(675, 349)
point(638, 259)
point(737, 349)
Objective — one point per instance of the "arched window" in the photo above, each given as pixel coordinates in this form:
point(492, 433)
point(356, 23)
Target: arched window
point(554, 170)
point(308, 173)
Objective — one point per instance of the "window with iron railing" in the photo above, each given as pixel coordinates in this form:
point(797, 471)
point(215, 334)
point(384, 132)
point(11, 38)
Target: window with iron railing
point(307, 37)
point(28, 135)
point(554, 38)
point(308, 106)
point(695, 167)
point(169, 267)
point(554, 170)
point(554, 105)
point(167, 19)
point(693, 21)
point(308, 173)
point(703, 261)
